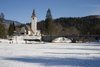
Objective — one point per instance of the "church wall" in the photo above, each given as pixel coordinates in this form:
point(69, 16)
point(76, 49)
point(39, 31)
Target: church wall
point(30, 32)
point(34, 24)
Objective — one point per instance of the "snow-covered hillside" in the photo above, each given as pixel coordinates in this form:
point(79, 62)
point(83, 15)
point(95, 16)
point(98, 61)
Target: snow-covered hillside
point(50, 55)
point(7, 22)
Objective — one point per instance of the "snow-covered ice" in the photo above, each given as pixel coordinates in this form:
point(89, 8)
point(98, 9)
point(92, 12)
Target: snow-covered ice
point(50, 55)
point(61, 40)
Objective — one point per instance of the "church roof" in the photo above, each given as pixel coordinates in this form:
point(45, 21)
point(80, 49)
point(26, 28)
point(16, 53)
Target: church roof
point(25, 29)
point(28, 27)
point(22, 30)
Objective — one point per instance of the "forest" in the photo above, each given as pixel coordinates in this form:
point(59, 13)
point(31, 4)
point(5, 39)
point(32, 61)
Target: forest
point(88, 25)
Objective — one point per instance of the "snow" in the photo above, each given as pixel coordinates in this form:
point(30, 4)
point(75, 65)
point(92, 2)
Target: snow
point(50, 55)
point(32, 37)
point(61, 40)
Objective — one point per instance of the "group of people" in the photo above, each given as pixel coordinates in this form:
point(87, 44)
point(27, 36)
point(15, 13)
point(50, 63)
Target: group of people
point(11, 42)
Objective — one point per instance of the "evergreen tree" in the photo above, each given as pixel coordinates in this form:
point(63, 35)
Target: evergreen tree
point(49, 25)
point(11, 29)
point(2, 26)
point(1, 17)
point(14, 25)
point(2, 30)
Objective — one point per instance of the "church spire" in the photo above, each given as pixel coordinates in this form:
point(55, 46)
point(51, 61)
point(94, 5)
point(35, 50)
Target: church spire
point(33, 14)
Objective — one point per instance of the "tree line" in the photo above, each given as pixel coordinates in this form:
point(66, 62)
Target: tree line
point(70, 26)
point(3, 27)
point(61, 26)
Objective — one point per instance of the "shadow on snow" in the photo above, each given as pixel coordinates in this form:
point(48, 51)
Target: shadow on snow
point(70, 53)
point(52, 61)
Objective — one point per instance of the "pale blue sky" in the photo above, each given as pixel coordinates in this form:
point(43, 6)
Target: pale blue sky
point(21, 10)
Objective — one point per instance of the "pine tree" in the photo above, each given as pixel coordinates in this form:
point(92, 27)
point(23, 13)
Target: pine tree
point(2, 30)
point(2, 26)
point(11, 29)
point(49, 25)
point(14, 25)
point(1, 18)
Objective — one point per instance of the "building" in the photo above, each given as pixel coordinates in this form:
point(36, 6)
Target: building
point(28, 32)
point(30, 29)
point(34, 22)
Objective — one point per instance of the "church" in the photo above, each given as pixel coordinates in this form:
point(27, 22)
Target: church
point(30, 29)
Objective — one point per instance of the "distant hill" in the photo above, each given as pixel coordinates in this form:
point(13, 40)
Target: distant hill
point(7, 22)
point(93, 16)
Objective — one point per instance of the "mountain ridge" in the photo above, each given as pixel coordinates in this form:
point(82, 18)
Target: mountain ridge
point(7, 22)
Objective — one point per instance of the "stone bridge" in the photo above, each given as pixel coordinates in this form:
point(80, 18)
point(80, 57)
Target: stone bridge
point(73, 37)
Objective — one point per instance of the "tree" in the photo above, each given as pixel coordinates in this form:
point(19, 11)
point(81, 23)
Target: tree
point(48, 15)
point(58, 29)
point(11, 29)
point(2, 26)
point(1, 17)
point(2, 30)
point(49, 24)
point(14, 25)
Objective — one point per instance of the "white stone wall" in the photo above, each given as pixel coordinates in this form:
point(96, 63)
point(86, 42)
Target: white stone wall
point(38, 33)
point(34, 24)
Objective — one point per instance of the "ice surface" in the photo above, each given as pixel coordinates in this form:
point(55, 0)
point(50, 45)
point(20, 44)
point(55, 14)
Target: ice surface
point(49, 55)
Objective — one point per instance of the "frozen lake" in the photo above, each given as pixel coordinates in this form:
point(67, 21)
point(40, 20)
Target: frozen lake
point(50, 55)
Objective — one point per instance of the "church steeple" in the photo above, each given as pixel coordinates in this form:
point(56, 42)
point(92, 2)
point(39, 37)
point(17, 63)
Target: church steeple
point(34, 22)
point(33, 14)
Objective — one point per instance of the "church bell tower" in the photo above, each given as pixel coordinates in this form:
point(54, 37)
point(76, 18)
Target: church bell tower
point(34, 22)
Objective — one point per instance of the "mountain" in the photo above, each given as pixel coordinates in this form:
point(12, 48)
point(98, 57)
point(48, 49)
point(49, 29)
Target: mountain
point(7, 22)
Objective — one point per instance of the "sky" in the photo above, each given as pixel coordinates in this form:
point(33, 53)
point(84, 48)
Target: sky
point(21, 10)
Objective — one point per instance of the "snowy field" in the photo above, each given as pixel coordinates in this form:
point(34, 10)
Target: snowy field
point(50, 55)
